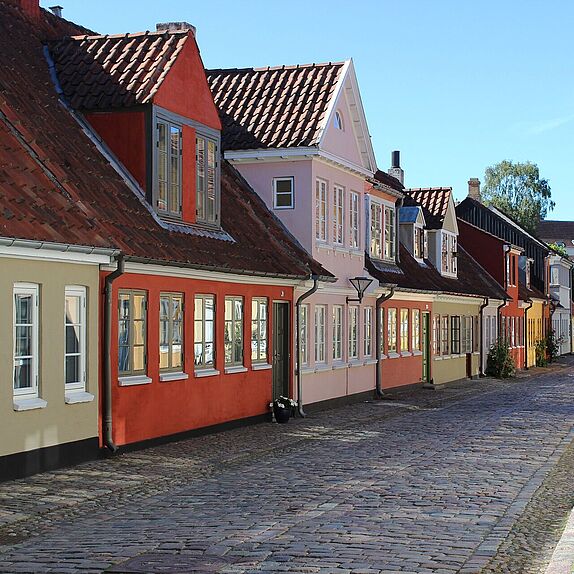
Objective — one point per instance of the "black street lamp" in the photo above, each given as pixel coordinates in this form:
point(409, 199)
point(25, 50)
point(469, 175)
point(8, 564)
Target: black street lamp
point(360, 284)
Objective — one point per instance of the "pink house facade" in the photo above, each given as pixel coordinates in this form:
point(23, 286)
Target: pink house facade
point(309, 163)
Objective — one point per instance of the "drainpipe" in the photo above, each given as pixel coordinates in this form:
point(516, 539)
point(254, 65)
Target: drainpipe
point(526, 334)
point(304, 296)
point(107, 347)
point(481, 349)
point(380, 301)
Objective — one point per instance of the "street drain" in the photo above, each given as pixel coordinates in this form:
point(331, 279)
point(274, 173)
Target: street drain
point(163, 563)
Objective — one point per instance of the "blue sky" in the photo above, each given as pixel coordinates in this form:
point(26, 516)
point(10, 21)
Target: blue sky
point(456, 85)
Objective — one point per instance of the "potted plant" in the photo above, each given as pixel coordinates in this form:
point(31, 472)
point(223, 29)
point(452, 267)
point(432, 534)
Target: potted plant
point(282, 409)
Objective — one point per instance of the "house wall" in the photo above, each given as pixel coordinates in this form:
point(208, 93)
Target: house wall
point(447, 368)
point(58, 423)
point(489, 330)
point(125, 134)
point(535, 325)
point(158, 409)
point(485, 248)
point(300, 219)
point(405, 367)
point(185, 90)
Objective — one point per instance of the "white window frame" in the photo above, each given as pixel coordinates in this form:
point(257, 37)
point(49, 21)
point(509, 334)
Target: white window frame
point(392, 330)
point(368, 332)
point(34, 290)
point(337, 332)
point(338, 121)
point(415, 329)
point(320, 326)
point(291, 193)
point(354, 220)
point(233, 320)
point(201, 299)
point(259, 324)
point(449, 245)
point(390, 233)
point(376, 230)
point(353, 332)
point(80, 292)
point(171, 296)
point(338, 214)
point(304, 333)
point(404, 329)
point(419, 242)
point(321, 210)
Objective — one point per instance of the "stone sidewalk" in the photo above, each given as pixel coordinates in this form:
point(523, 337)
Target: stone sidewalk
point(434, 481)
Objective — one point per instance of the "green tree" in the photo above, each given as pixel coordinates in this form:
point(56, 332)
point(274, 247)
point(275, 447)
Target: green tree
point(519, 191)
point(560, 249)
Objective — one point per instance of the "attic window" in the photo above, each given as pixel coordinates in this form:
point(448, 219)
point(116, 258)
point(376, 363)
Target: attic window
point(207, 180)
point(168, 179)
point(338, 121)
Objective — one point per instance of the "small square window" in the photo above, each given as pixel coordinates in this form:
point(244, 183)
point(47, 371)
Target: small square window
point(283, 193)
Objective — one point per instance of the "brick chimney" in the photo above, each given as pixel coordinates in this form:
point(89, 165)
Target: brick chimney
point(175, 27)
point(474, 188)
point(395, 170)
point(30, 8)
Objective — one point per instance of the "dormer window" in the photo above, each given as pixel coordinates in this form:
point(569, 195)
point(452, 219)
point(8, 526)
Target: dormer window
point(338, 121)
point(419, 243)
point(168, 144)
point(390, 233)
point(448, 253)
point(207, 197)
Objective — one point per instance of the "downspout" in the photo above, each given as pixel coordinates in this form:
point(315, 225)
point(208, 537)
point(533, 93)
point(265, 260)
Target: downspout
point(379, 302)
point(481, 349)
point(107, 360)
point(526, 334)
point(301, 298)
point(499, 316)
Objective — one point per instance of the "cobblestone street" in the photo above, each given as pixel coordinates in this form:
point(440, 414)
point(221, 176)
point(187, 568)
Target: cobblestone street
point(473, 477)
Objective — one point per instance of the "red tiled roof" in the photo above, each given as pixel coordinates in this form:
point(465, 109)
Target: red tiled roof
point(549, 230)
point(106, 72)
point(55, 185)
point(273, 107)
point(435, 202)
point(410, 274)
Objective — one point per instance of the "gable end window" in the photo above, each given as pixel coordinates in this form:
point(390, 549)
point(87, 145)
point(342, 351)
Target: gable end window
point(283, 193)
point(207, 180)
point(168, 177)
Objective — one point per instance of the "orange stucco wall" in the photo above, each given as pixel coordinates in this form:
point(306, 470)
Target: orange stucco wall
point(185, 90)
point(158, 409)
point(124, 133)
point(404, 370)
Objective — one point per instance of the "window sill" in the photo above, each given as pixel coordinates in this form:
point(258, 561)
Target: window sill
point(370, 361)
point(355, 363)
point(406, 354)
point(236, 369)
point(206, 373)
point(339, 365)
point(29, 404)
point(307, 370)
point(74, 397)
point(393, 355)
point(260, 366)
point(174, 376)
point(322, 367)
point(134, 380)
point(383, 356)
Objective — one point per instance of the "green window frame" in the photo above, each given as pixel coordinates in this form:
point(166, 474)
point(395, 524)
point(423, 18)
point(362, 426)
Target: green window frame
point(132, 332)
point(171, 321)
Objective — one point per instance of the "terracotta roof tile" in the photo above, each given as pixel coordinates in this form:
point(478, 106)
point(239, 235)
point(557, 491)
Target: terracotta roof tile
point(105, 72)
point(273, 107)
point(434, 200)
point(410, 274)
point(55, 185)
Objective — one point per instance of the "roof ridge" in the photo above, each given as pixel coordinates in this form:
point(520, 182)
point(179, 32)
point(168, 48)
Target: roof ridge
point(275, 68)
point(128, 35)
point(442, 188)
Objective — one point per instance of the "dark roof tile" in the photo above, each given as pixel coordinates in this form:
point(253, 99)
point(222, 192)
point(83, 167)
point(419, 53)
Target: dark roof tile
point(434, 201)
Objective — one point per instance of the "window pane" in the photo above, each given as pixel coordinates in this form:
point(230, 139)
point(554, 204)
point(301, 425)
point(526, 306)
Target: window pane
point(23, 341)
point(209, 354)
point(23, 373)
point(72, 309)
point(72, 339)
point(283, 200)
point(139, 333)
point(163, 356)
point(124, 306)
point(139, 306)
point(139, 362)
point(124, 335)
point(124, 359)
point(198, 354)
point(73, 369)
point(23, 308)
point(162, 136)
point(209, 308)
point(209, 335)
point(283, 185)
point(238, 309)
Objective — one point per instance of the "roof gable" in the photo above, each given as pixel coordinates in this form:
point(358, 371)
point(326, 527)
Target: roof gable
point(353, 143)
point(278, 107)
point(438, 205)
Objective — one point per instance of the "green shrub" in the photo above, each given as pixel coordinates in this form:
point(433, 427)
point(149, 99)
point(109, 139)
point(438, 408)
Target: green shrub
point(552, 345)
point(499, 362)
point(541, 353)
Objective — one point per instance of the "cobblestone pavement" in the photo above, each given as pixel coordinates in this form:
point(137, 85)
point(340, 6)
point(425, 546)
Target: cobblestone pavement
point(473, 477)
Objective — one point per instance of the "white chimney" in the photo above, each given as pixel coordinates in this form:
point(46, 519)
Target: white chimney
point(56, 10)
point(395, 170)
point(474, 188)
point(175, 27)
